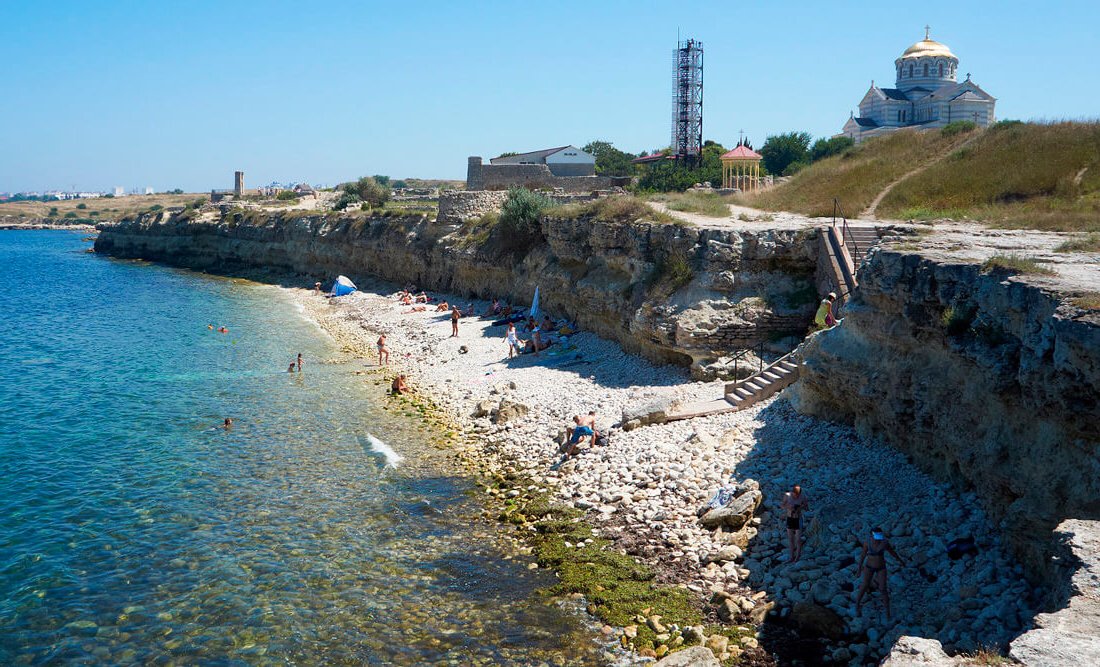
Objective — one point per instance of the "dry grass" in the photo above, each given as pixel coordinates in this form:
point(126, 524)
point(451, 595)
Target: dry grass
point(856, 176)
point(1022, 176)
point(1087, 301)
point(112, 208)
point(1089, 243)
point(704, 203)
point(611, 209)
point(1015, 264)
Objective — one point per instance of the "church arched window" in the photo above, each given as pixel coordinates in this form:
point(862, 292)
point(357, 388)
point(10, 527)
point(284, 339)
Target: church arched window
point(941, 69)
point(910, 71)
point(926, 69)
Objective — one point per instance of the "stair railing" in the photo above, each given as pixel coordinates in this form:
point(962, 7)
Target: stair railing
point(757, 349)
point(846, 232)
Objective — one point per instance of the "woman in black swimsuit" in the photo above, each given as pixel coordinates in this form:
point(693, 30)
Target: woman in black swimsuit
point(795, 503)
point(872, 563)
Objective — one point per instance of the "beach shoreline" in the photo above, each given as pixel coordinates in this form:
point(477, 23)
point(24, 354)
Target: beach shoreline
point(641, 494)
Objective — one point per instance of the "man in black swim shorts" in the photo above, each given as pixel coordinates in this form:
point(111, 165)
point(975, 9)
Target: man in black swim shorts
point(795, 503)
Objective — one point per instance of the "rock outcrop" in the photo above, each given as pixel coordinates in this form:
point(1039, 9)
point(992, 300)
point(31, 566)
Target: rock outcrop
point(986, 379)
point(734, 289)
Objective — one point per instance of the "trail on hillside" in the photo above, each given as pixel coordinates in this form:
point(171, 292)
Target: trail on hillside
point(869, 212)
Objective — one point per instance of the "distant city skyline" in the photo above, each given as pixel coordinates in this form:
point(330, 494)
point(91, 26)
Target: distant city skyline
point(144, 93)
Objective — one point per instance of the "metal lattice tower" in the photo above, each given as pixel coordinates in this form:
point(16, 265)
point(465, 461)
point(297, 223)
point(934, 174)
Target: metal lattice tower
point(687, 99)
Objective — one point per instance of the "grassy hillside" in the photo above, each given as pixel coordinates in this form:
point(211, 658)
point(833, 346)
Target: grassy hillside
point(1021, 175)
point(1017, 175)
point(856, 176)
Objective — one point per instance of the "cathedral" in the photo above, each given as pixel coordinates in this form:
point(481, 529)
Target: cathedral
point(925, 95)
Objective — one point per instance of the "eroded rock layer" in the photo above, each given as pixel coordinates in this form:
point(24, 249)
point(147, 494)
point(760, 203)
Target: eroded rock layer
point(672, 293)
point(984, 378)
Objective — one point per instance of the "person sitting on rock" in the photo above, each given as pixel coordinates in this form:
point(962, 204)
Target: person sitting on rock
point(824, 317)
point(399, 386)
point(442, 307)
point(794, 503)
point(494, 309)
point(506, 310)
point(574, 435)
point(872, 565)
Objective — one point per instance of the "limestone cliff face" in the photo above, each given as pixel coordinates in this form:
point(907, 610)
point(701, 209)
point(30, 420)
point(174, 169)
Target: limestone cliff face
point(613, 277)
point(982, 378)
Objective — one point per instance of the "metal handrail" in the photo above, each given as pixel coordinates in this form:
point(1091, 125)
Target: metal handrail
point(758, 349)
point(846, 232)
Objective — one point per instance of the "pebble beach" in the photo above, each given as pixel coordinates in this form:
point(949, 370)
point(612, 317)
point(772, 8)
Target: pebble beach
point(643, 491)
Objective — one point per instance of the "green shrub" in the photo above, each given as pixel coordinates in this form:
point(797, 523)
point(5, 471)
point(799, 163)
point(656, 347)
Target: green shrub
point(70, 214)
point(519, 219)
point(286, 195)
point(345, 199)
point(82, 205)
point(155, 207)
point(957, 127)
point(672, 272)
point(956, 319)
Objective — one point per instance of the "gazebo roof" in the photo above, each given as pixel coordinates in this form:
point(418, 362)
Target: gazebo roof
point(742, 153)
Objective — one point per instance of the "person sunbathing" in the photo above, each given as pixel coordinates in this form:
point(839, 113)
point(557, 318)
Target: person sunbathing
point(493, 309)
point(469, 312)
point(506, 311)
point(442, 307)
point(406, 299)
point(414, 309)
point(422, 298)
point(530, 345)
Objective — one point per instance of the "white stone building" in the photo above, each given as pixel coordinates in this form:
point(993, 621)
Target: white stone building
point(924, 95)
point(562, 161)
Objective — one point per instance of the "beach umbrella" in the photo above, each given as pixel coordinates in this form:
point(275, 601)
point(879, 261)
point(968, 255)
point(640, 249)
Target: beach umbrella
point(535, 304)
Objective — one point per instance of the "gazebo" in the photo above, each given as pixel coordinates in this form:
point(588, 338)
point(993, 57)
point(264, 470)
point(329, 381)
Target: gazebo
point(741, 169)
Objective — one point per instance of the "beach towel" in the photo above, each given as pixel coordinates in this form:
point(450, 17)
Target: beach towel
point(519, 317)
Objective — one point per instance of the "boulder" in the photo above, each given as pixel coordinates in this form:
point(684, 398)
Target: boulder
point(717, 643)
point(509, 410)
point(724, 555)
point(482, 409)
point(736, 514)
point(728, 610)
point(817, 620)
point(918, 652)
point(654, 411)
point(692, 656)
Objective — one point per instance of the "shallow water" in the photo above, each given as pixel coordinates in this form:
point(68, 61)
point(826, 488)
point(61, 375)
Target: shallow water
point(136, 530)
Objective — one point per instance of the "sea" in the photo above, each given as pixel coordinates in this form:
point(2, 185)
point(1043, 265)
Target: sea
point(320, 528)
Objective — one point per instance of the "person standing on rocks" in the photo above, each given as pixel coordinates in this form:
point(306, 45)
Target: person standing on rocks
point(795, 503)
point(455, 314)
point(382, 351)
point(872, 563)
point(515, 345)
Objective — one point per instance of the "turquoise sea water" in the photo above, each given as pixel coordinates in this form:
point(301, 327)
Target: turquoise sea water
point(134, 530)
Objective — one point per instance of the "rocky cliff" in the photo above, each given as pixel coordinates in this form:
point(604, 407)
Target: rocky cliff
point(673, 293)
point(983, 375)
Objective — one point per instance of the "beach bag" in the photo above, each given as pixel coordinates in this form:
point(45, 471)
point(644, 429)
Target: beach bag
point(963, 546)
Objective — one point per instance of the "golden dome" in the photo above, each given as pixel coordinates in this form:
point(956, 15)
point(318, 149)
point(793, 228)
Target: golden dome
point(927, 47)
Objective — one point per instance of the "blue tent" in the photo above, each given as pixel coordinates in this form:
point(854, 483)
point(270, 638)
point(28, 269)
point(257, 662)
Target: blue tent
point(342, 286)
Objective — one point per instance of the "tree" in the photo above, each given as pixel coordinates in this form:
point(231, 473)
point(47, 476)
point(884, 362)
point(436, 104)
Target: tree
point(399, 184)
point(372, 191)
point(508, 154)
point(780, 151)
point(177, 191)
point(610, 160)
point(381, 180)
point(673, 175)
point(823, 148)
point(286, 195)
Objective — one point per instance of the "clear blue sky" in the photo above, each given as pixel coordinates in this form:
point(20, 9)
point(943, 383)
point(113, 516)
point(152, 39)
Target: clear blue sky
point(173, 94)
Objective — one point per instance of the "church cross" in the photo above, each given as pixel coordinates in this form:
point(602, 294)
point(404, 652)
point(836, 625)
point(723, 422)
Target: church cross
point(927, 30)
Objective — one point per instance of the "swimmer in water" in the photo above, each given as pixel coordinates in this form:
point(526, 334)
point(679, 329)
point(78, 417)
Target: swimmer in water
point(228, 424)
point(291, 369)
point(299, 362)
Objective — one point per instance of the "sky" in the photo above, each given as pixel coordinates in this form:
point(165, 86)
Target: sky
point(179, 95)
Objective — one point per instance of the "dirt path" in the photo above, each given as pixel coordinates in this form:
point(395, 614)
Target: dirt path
point(869, 213)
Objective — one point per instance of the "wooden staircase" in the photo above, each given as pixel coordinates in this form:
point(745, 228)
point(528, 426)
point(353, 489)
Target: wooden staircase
point(748, 392)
